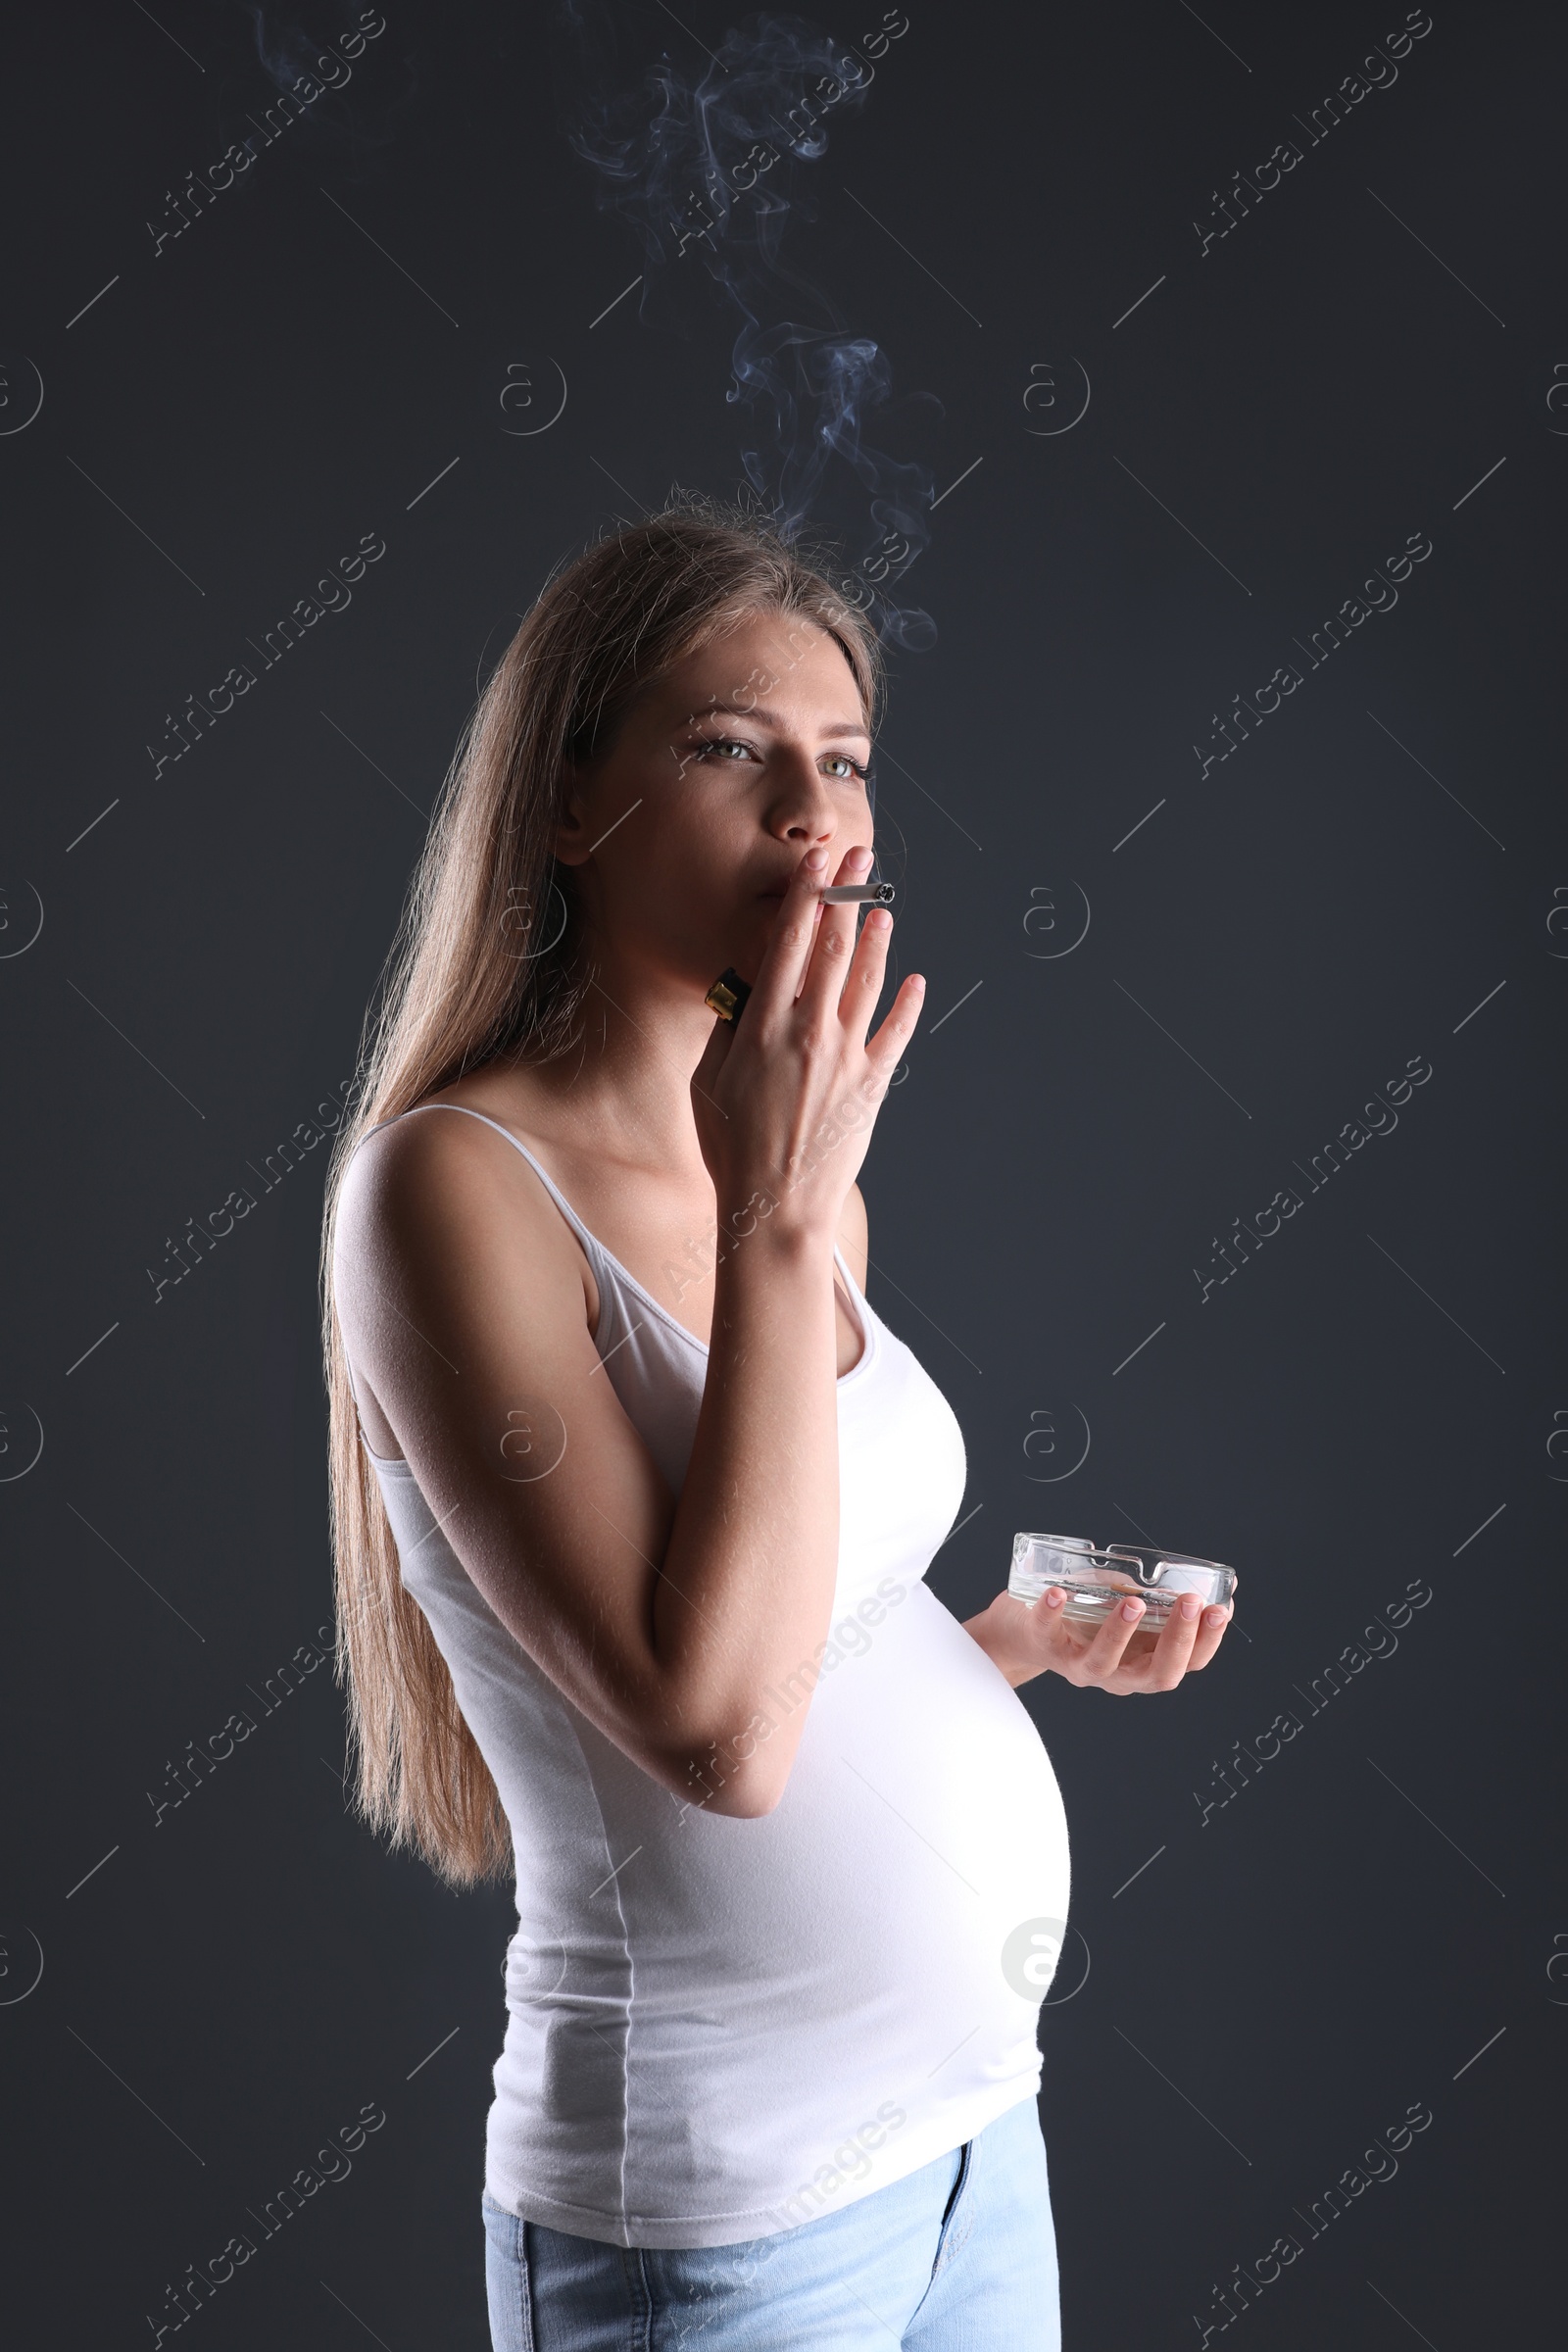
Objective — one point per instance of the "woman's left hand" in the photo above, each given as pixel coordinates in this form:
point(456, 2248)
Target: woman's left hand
point(1023, 1640)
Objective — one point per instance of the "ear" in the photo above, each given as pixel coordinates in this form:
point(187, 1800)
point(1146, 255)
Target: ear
point(573, 836)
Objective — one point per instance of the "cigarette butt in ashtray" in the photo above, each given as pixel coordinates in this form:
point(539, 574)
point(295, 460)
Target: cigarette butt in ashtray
point(851, 893)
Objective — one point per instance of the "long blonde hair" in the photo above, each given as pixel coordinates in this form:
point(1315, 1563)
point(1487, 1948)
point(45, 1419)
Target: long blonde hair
point(489, 959)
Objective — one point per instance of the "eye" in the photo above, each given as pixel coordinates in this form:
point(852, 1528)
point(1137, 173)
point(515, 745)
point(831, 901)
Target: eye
point(857, 767)
point(721, 743)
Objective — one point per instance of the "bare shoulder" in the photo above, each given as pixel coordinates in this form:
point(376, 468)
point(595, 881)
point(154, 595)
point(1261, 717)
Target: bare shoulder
point(853, 1234)
point(442, 1207)
point(416, 1175)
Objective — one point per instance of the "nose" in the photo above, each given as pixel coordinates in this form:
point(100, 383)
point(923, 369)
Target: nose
point(804, 814)
point(806, 835)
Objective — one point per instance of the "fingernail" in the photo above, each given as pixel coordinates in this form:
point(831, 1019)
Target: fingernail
point(1189, 1607)
point(1131, 1610)
point(861, 857)
point(816, 860)
point(1055, 1598)
point(1213, 1617)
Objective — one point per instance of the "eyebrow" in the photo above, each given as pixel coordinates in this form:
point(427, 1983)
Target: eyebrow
point(769, 718)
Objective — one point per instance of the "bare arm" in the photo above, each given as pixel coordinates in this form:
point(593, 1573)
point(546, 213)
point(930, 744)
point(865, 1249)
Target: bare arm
point(460, 1297)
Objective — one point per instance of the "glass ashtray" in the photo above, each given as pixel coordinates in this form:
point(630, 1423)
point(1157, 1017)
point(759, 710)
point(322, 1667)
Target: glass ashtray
point(1097, 1577)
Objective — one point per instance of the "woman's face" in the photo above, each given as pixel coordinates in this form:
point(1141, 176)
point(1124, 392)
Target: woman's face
point(722, 775)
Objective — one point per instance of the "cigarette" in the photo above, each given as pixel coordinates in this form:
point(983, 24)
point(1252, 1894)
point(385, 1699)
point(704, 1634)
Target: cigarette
point(853, 894)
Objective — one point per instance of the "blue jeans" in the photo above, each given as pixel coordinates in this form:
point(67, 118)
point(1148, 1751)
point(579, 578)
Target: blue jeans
point(958, 2257)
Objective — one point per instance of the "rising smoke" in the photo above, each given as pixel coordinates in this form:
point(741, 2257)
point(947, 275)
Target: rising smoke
point(709, 171)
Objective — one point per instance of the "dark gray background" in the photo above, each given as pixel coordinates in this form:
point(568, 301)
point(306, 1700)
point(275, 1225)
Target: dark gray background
point(1372, 1399)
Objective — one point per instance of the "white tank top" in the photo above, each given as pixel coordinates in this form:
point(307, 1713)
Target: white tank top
point(719, 2029)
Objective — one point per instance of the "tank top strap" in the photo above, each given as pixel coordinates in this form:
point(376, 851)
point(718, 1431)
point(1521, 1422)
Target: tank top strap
point(589, 1241)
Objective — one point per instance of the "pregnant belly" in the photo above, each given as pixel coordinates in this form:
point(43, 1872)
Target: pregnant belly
point(920, 1829)
point(732, 2018)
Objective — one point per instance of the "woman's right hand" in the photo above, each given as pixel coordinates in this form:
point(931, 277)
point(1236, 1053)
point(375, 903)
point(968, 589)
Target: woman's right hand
point(785, 1098)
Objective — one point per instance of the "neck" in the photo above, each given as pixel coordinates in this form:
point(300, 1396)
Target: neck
point(625, 1087)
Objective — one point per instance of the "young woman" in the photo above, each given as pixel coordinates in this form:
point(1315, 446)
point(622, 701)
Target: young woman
point(634, 1493)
